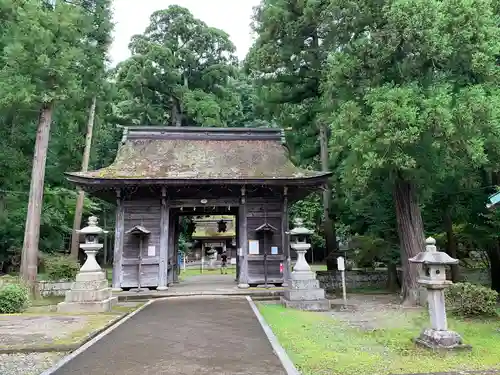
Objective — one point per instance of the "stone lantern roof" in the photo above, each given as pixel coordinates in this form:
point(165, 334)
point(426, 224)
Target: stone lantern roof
point(92, 227)
point(431, 256)
point(299, 229)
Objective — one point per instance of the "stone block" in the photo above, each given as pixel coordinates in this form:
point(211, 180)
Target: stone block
point(307, 275)
point(76, 295)
point(304, 294)
point(87, 307)
point(304, 284)
point(317, 305)
point(89, 285)
point(441, 340)
point(90, 276)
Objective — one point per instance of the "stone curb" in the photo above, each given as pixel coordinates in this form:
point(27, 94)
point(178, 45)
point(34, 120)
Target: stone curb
point(243, 293)
point(278, 349)
point(95, 339)
point(64, 347)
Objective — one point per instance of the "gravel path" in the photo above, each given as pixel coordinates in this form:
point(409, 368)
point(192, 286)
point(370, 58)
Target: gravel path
point(27, 364)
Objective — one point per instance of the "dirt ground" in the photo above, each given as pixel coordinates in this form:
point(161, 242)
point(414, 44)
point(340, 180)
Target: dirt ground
point(23, 330)
point(370, 312)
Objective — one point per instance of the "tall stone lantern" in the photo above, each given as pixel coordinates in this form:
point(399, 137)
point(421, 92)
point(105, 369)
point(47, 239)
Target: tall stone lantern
point(303, 291)
point(432, 276)
point(90, 291)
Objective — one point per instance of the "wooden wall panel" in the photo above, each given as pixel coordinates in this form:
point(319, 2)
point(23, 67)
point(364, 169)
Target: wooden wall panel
point(145, 213)
point(259, 212)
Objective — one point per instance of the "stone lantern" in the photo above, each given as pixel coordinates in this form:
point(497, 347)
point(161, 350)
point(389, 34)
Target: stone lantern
point(303, 291)
point(90, 291)
point(432, 276)
point(298, 242)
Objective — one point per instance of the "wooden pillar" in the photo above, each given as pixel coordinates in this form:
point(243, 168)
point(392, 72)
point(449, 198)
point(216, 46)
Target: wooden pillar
point(243, 232)
point(285, 239)
point(164, 225)
point(118, 250)
point(175, 272)
point(170, 248)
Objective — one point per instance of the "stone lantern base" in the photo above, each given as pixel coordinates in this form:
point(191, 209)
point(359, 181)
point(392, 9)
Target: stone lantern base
point(441, 340)
point(89, 293)
point(303, 293)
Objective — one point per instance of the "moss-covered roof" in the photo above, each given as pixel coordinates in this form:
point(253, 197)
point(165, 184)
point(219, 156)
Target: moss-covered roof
point(200, 154)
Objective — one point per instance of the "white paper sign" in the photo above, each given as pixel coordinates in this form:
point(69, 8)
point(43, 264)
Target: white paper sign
point(233, 261)
point(253, 247)
point(274, 250)
point(151, 251)
point(340, 264)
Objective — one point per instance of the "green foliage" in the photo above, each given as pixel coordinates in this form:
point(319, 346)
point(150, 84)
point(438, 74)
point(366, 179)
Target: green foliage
point(369, 249)
point(410, 92)
point(61, 267)
point(465, 299)
point(50, 54)
point(181, 73)
point(310, 210)
point(14, 298)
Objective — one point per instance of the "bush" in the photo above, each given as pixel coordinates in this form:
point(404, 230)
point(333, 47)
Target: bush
point(59, 268)
point(14, 298)
point(466, 299)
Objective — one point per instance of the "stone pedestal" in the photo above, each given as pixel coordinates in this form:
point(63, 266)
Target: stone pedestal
point(90, 291)
point(441, 340)
point(305, 295)
point(303, 291)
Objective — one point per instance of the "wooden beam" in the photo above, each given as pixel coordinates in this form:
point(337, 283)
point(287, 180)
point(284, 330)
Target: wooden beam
point(118, 250)
point(222, 202)
point(164, 232)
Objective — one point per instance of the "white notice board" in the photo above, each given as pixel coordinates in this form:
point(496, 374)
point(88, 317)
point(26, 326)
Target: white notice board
point(151, 251)
point(253, 247)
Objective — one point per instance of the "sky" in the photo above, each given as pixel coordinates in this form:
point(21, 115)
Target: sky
point(132, 17)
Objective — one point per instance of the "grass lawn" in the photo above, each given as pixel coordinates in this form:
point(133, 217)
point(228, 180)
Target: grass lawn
point(320, 345)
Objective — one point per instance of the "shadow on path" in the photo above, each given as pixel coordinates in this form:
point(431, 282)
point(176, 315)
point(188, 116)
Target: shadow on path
point(184, 336)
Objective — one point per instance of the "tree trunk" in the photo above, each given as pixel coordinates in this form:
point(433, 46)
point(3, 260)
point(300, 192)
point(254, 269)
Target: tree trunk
point(493, 252)
point(328, 223)
point(29, 261)
point(451, 245)
point(81, 194)
point(176, 113)
point(411, 236)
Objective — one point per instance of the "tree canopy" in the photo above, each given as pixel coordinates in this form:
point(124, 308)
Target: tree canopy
point(398, 98)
